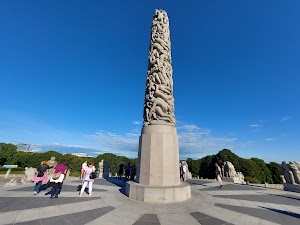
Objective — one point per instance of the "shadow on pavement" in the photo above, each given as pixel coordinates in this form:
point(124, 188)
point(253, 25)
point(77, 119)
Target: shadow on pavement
point(296, 215)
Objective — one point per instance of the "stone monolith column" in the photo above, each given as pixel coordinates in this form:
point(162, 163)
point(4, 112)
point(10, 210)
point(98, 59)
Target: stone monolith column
point(158, 178)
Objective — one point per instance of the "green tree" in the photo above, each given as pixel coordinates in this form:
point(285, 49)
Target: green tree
point(8, 154)
point(276, 172)
point(264, 174)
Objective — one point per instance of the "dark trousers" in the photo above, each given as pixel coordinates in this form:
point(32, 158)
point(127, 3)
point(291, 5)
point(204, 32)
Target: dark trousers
point(56, 188)
point(182, 175)
point(38, 186)
point(55, 191)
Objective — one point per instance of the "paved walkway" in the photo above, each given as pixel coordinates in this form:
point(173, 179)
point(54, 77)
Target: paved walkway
point(209, 205)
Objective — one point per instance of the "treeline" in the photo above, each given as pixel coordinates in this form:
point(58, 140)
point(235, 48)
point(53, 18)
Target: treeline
point(255, 170)
point(10, 156)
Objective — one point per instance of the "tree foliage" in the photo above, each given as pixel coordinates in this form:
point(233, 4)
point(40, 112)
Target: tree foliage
point(10, 155)
point(255, 170)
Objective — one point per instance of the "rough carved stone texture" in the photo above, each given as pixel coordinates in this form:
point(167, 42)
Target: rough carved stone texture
point(101, 168)
point(159, 100)
point(291, 172)
point(229, 171)
point(29, 175)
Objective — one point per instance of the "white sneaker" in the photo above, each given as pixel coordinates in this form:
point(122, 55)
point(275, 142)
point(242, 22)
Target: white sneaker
point(90, 194)
point(35, 193)
point(80, 194)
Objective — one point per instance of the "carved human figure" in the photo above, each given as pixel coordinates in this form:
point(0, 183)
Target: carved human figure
point(288, 174)
point(101, 168)
point(295, 168)
point(229, 170)
point(29, 175)
point(159, 100)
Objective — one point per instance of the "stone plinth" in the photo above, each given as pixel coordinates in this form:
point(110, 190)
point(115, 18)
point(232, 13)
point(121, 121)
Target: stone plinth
point(291, 187)
point(158, 194)
point(158, 174)
point(158, 156)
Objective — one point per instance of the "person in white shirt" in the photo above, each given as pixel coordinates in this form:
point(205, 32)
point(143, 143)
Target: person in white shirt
point(87, 178)
point(183, 171)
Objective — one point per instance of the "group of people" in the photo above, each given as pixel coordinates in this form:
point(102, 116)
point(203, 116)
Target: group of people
point(57, 176)
point(88, 175)
point(218, 173)
point(130, 171)
point(56, 180)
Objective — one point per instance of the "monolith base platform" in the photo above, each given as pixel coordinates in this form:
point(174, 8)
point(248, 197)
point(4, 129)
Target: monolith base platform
point(158, 194)
point(158, 178)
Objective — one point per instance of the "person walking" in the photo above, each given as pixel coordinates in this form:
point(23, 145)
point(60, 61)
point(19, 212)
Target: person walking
point(133, 172)
point(183, 171)
point(57, 179)
point(218, 174)
point(127, 171)
point(121, 171)
point(41, 177)
point(88, 178)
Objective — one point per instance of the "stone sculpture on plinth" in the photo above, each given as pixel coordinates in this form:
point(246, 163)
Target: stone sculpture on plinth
point(158, 178)
point(188, 174)
point(101, 167)
point(29, 175)
point(231, 175)
point(291, 172)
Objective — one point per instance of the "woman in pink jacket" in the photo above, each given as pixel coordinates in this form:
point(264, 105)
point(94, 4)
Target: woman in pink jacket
point(41, 177)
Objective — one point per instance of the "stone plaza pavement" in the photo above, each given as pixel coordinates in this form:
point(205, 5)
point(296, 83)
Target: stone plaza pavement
point(209, 205)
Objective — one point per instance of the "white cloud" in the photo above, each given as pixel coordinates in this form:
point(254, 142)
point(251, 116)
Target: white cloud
point(270, 139)
point(255, 125)
point(117, 143)
point(194, 140)
point(137, 122)
point(285, 119)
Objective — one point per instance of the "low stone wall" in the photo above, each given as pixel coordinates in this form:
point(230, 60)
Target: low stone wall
point(272, 186)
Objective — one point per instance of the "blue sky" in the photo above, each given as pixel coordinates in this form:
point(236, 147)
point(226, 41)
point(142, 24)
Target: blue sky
point(73, 75)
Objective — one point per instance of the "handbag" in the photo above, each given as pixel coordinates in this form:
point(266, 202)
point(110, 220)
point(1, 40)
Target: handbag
point(55, 176)
point(93, 175)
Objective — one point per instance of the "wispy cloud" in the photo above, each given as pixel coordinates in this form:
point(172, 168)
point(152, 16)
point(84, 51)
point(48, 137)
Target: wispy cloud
point(64, 148)
point(255, 125)
point(126, 144)
point(194, 140)
point(285, 119)
point(137, 122)
point(270, 139)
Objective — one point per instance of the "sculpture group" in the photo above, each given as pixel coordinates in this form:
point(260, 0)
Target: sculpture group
point(291, 175)
point(159, 100)
point(229, 172)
